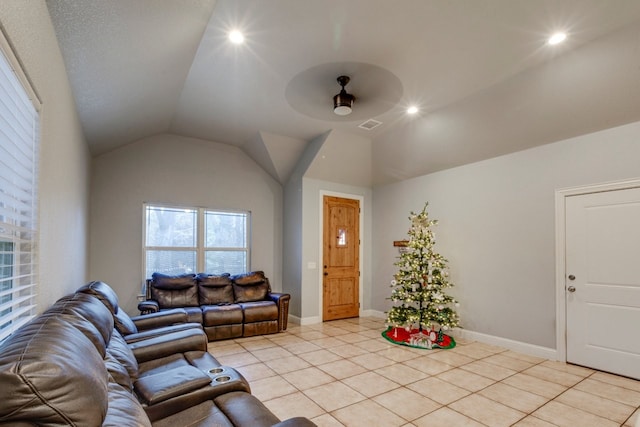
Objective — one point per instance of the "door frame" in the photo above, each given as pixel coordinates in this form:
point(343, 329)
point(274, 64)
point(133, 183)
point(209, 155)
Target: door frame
point(321, 247)
point(561, 236)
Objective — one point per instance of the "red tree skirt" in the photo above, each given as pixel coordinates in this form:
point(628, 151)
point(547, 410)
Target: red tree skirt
point(401, 336)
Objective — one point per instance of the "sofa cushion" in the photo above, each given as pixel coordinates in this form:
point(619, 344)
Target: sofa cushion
point(124, 409)
point(118, 372)
point(204, 414)
point(215, 289)
point(259, 311)
point(124, 324)
point(51, 359)
point(244, 409)
point(174, 291)
point(249, 287)
point(216, 315)
point(120, 351)
point(103, 292)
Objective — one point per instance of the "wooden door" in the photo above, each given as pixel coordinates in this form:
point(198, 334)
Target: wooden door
point(602, 279)
point(341, 260)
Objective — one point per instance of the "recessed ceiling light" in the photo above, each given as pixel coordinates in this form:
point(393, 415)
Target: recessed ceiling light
point(412, 110)
point(236, 37)
point(557, 38)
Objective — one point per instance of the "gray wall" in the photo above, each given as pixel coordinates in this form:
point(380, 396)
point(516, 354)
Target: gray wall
point(64, 156)
point(184, 171)
point(497, 228)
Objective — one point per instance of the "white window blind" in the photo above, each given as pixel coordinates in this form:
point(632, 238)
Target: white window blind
point(19, 141)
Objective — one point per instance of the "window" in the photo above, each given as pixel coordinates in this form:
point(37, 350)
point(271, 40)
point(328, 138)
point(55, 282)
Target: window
point(19, 142)
point(182, 240)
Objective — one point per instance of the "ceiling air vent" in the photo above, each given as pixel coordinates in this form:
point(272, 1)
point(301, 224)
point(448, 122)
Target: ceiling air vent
point(369, 124)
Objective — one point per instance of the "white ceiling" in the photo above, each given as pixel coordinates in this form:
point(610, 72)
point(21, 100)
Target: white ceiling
point(480, 71)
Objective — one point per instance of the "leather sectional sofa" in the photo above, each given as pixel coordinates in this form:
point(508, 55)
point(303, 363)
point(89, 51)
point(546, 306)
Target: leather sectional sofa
point(71, 366)
point(226, 306)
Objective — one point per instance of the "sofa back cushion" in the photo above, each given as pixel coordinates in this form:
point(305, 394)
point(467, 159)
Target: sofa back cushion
point(174, 291)
point(250, 287)
point(103, 292)
point(215, 289)
point(51, 374)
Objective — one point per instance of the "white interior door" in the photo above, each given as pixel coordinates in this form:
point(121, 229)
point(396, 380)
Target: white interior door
point(602, 279)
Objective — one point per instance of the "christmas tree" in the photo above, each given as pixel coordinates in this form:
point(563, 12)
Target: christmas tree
point(421, 304)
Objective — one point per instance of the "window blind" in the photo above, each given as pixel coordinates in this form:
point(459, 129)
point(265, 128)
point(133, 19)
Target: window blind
point(19, 142)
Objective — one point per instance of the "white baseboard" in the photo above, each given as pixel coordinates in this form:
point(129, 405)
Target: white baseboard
point(518, 346)
point(373, 313)
point(304, 320)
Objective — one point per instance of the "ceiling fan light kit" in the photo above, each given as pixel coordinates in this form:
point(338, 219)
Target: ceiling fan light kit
point(343, 102)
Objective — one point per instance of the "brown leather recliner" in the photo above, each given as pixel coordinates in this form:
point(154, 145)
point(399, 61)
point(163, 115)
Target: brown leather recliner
point(69, 366)
point(226, 306)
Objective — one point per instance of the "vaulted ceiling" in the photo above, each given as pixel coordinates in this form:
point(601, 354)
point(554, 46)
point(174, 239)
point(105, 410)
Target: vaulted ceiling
point(480, 71)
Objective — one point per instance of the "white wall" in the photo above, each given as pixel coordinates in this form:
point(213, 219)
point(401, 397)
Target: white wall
point(185, 171)
point(497, 228)
point(64, 156)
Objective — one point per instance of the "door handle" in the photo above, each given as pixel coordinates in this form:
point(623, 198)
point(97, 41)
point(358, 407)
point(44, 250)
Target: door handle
point(326, 274)
point(571, 288)
point(572, 277)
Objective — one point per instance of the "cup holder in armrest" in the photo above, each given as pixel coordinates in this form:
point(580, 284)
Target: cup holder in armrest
point(216, 371)
point(222, 379)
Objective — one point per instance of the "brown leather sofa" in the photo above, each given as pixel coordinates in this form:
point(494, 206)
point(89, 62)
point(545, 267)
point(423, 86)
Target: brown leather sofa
point(226, 306)
point(70, 366)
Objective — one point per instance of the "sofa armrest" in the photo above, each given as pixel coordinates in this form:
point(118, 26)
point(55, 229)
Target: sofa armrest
point(148, 306)
point(160, 318)
point(168, 344)
point(282, 301)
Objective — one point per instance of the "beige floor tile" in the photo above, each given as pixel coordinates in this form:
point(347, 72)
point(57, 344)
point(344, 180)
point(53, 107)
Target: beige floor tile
point(367, 413)
point(326, 420)
point(301, 347)
point(270, 388)
point(372, 361)
point(236, 360)
point(348, 350)
point(488, 370)
point(352, 338)
point(304, 379)
point(427, 365)
point(287, 364)
point(465, 379)
point(438, 390)
point(320, 357)
point(256, 371)
point(284, 339)
point(508, 362)
point(527, 358)
point(374, 334)
point(407, 403)
point(487, 411)
point(397, 353)
point(271, 353)
point(294, 405)
point(327, 342)
point(370, 384)
point(222, 350)
point(473, 350)
point(342, 369)
point(569, 368)
point(452, 359)
point(402, 374)
point(445, 417)
point(535, 385)
point(617, 380)
point(610, 391)
point(553, 375)
point(258, 344)
point(565, 416)
point(514, 397)
point(531, 421)
point(596, 405)
point(633, 419)
point(374, 345)
point(334, 396)
point(312, 335)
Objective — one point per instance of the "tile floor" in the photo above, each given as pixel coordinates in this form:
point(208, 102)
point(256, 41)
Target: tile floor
point(343, 373)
